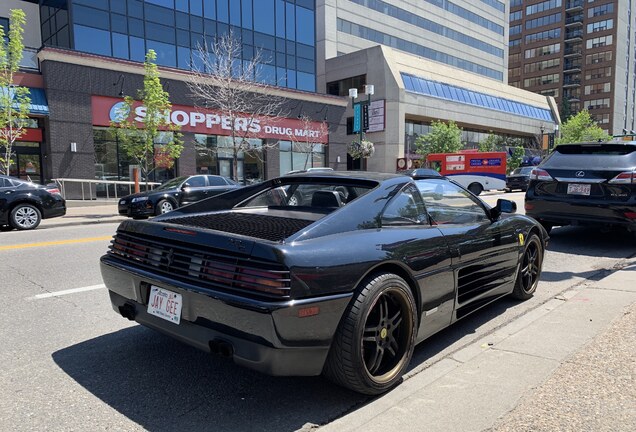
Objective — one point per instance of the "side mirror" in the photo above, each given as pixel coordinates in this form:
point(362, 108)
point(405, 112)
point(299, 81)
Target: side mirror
point(185, 186)
point(506, 206)
point(503, 206)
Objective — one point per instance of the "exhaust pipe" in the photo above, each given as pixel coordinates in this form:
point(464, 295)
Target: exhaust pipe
point(127, 311)
point(221, 347)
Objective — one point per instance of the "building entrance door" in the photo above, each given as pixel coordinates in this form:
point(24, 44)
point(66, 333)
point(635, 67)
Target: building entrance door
point(27, 163)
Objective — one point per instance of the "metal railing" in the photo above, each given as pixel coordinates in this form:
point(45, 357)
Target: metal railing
point(86, 189)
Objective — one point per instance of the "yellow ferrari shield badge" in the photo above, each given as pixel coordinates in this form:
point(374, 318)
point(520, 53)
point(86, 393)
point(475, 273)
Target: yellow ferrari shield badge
point(522, 240)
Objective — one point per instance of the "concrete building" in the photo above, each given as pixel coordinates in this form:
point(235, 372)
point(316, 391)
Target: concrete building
point(581, 53)
point(456, 46)
point(411, 92)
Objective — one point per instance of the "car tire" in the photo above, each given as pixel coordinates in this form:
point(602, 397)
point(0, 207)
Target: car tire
point(529, 269)
point(25, 217)
point(374, 342)
point(164, 206)
point(475, 188)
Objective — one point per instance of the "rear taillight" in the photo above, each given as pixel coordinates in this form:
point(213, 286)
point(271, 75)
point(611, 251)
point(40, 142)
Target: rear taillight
point(626, 177)
point(54, 191)
point(539, 174)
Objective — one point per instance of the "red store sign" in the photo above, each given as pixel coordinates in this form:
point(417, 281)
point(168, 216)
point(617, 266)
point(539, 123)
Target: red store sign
point(211, 122)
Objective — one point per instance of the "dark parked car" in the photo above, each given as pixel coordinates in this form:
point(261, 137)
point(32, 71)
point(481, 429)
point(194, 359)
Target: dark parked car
point(345, 285)
point(592, 183)
point(173, 194)
point(23, 204)
point(519, 179)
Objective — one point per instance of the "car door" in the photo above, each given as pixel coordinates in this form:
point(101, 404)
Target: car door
point(484, 252)
point(217, 185)
point(412, 240)
point(6, 193)
point(194, 189)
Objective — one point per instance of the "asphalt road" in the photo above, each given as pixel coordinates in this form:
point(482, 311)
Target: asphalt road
point(71, 363)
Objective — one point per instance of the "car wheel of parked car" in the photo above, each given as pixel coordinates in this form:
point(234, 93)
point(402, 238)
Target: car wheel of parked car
point(295, 200)
point(163, 206)
point(25, 217)
point(375, 339)
point(475, 188)
point(529, 269)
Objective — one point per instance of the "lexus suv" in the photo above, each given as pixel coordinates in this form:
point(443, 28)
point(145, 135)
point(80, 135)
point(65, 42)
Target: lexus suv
point(585, 184)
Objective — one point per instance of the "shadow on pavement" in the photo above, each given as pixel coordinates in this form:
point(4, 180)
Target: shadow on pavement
point(593, 241)
point(162, 384)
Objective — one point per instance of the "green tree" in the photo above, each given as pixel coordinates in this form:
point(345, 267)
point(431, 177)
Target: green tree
point(139, 138)
point(491, 143)
point(443, 138)
point(515, 160)
point(581, 128)
point(14, 100)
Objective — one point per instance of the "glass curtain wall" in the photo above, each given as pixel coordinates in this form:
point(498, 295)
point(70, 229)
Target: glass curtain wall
point(283, 31)
point(470, 138)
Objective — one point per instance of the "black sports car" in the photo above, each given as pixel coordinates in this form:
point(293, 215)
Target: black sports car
point(23, 204)
point(585, 184)
point(519, 179)
point(344, 285)
point(174, 193)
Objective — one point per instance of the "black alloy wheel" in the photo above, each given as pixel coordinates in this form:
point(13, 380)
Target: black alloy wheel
point(375, 341)
point(529, 269)
point(163, 206)
point(475, 188)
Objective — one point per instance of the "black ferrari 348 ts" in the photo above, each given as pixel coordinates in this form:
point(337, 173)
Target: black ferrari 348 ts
point(345, 283)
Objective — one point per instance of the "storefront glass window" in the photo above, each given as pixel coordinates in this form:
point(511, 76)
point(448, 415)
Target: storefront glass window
point(215, 155)
point(300, 156)
point(112, 163)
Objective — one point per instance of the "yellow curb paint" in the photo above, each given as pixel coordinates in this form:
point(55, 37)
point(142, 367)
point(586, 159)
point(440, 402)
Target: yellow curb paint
point(55, 243)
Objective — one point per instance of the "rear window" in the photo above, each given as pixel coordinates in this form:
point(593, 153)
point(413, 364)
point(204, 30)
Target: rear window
point(598, 156)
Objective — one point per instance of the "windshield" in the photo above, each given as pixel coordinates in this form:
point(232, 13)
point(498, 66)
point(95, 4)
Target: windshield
point(523, 170)
point(307, 195)
point(592, 156)
point(170, 184)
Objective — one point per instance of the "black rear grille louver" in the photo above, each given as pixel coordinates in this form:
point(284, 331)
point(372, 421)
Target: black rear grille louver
point(203, 268)
point(251, 225)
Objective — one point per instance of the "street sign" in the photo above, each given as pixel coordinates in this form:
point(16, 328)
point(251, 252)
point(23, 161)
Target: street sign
point(357, 117)
point(365, 117)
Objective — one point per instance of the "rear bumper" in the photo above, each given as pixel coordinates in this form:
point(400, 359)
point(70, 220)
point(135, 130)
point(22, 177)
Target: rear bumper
point(581, 213)
point(269, 337)
point(517, 184)
point(56, 210)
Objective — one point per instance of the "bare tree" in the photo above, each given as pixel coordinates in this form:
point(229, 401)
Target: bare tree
point(310, 136)
point(235, 88)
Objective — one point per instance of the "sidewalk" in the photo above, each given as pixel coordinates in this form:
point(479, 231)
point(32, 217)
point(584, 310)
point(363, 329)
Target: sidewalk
point(82, 213)
point(569, 365)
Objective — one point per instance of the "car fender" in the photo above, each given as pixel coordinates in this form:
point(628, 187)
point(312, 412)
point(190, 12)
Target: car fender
point(33, 200)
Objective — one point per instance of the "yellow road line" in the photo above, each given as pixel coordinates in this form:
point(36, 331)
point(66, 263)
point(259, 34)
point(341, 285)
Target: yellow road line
point(54, 243)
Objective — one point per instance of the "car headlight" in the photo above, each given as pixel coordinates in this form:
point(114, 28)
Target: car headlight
point(139, 199)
